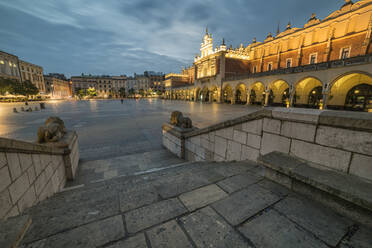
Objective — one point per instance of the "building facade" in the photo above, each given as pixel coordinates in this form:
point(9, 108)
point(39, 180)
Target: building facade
point(34, 74)
point(147, 83)
point(9, 66)
point(326, 63)
point(105, 86)
point(57, 87)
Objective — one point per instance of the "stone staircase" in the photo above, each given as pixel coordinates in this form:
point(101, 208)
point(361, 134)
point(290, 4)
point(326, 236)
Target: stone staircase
point(193, 204)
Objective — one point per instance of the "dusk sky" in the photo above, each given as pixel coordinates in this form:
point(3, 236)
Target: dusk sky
point(125, 36)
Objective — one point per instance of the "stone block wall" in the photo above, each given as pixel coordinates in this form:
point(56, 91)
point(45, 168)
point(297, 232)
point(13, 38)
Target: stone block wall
point(341, 141)
point(30, 173)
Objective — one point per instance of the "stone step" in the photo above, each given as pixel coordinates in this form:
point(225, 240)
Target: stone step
point(128, 165)
point(12, 230)
point(345, 193)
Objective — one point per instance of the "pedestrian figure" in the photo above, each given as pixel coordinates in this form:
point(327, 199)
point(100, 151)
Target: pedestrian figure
point(15, 110)
point(42, 105)
point(121, 100)
point(26, 103)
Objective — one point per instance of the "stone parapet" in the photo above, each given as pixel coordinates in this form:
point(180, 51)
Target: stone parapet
point(31, 172)
point(339, 140)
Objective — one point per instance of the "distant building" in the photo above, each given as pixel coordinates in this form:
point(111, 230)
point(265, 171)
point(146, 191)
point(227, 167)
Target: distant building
point(149, 82)
point(34, 74)
point(57, 86)
point(105, 86)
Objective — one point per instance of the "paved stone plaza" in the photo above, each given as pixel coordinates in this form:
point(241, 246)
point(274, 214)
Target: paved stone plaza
point(109, 129)
point(192, 205)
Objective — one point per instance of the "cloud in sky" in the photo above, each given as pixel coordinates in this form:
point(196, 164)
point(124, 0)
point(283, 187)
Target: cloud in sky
point(123, 37)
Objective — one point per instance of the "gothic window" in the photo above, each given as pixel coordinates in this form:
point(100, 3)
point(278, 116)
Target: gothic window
point(270, 66)
point(345, 53)
point(289, 63)
point(313, 58)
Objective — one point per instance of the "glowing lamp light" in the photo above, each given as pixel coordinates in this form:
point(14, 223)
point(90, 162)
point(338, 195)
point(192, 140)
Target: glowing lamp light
point(314, 92)
point(356, 91)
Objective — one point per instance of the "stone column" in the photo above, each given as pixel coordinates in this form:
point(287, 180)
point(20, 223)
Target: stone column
point(267, 99)
point(325, 100)
point(248, 98)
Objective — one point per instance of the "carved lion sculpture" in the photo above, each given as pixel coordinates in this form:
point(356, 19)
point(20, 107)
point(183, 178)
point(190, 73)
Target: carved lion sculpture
point(52, 131)
point(178, 120)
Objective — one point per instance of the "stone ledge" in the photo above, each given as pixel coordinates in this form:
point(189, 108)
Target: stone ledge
point(250, 117)
point(347, 119)
point(53, 148)
point(17, 146)
point(347, 187)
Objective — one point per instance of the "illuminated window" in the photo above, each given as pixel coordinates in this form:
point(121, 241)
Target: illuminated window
point(313, 58)
point(270, 66)
point(289, 63)
point(345, 53)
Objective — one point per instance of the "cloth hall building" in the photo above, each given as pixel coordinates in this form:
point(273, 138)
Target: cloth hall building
point(324, 64)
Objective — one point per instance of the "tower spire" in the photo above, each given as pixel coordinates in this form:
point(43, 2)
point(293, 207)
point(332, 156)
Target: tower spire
point(278, 29)
point(206, 30)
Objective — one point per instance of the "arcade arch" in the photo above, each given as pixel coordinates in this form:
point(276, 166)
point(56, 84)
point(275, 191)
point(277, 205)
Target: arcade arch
point(278, 93)
point(257, 93)
point(308, 93)
point(352, 91)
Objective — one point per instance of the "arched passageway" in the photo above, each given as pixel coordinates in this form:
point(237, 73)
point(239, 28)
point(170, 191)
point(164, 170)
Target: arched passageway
point(279, 93)
point(351, 92)
point(241, 94)
point(197, 95)
point(213, 94)
point(227, 94)
point(204, 96)
point(257, 94)
point(308, 93)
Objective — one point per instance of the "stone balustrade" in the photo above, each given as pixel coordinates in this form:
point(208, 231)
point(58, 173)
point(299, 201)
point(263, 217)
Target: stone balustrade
point(30, 172)
point(338, 140)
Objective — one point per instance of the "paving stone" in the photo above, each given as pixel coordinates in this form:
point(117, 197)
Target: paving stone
point(202, 197)
point(137, 241)
point(207, 229)
point(137, 197)
point(274, 230)
point(243, 204)
point(277, 189)
point(70, 210)
point(12, 230)
point(361, 239)
point(324, 223)
point(91, 235)
point(230, 169)
point(238, 182)
point(168, 235)
point(176, 185)
point(153, 214)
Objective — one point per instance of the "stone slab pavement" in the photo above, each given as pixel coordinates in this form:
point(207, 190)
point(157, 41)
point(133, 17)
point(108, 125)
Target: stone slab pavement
point(198, 204)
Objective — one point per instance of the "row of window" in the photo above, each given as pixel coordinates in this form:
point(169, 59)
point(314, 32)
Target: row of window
point(313, 58)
